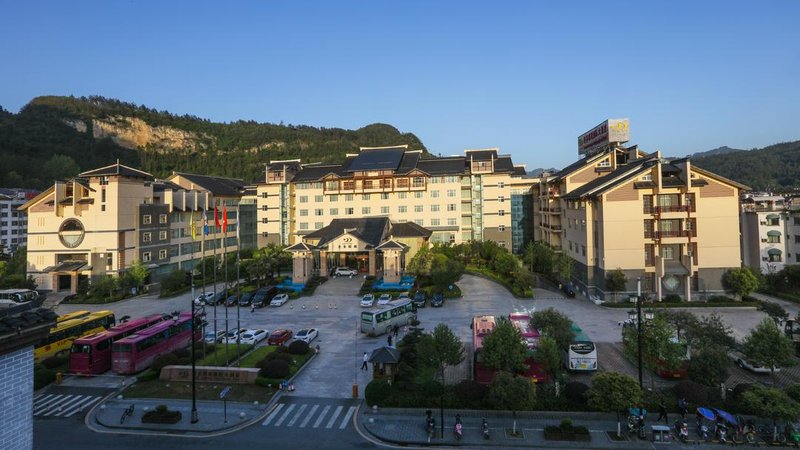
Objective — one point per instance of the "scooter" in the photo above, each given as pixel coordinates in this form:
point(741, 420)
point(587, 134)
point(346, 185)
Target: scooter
point(722, 433)
point(702, 431)
point(458, 429)
point(683, 430)
point(485, 427)
point(430, 423)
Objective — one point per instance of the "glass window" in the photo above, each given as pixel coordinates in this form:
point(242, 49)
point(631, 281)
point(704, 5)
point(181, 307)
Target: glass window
point(348, 197)
point(147, 237)
point(402, 209)
point(318, 198)
point(303, 225)
point(402, 195)
point(367, 197)
point(451, 206)
point(162, 254)
point(434, 208)
point(334, 211)
point(146, 256)
point(434, 194)
point(434, 222)
point(420, 222)
point(451, 192)
point(162, 218)
point(162, 235)
point(385, 196)
point(452, 221)
point(147, 219)
point(317, 225)
point(303, 199)
point(501, 212)
point(318, 212)
point(334, 198)
point(418, 194)
point(384, 210)
point(348, 211)
point(303, 212)
point(365, 210)
point(418, 208)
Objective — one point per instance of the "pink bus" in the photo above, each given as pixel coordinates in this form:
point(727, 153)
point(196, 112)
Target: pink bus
point(137, 351)
point(529, 334)
point(91, 355)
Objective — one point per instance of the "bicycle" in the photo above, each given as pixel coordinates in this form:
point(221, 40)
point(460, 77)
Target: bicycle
point(128, 412)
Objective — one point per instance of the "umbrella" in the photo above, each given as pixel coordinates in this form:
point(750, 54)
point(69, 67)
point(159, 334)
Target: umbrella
point(706, 413)
point(727, 416)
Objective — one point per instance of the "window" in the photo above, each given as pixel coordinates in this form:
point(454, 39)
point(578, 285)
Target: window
point(501, 228)
point(162, 235)
point(774, 237)
point(147, 256)
point(402, 209)
point(348, 211)
point(434, 194)
point(434, 222)
point(318, 212)
point(147, 219)
point(303, 212)
point(797, 220)
point(348, 185)
point(303, 199)
point(102, 195)
point(367, 197)
point(384, 210)
point(264, 207)
point(570, 245)
point(334, 198)
point(451, 206)
point(647, 177)
point(418, 182)
point(501, 243)
point(583, 250)
point(501, 212)
point(402, 195)
point(162, 254)
point(384, 196)
point(797, 239)
point(367, 184)
point(649, 255)
point(501, 184)
point(668, 252)
point(317, 225)
point(366, 210)
point(452, 222)
point(420, 222)
point(434, 208)
point(348, 197)
point(501, 199)
point(162, 218)
point(451, 192)
point(318, 198)
point(264, 220)
point(303, 225)
point(418, 194)
point(334, 211)
point(263, 195)
point(418, 208)
point(147, 237)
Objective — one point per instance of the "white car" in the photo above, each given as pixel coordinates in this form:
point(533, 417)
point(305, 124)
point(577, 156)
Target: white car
point(279, 300)
point(742, 361)
point(345, 272)
point(203, 298)
point(307, 335)
point(210, 338)
point(384, 299)
point(233, 334)
point(367, 301)
point(403, 296)
point(253, 336)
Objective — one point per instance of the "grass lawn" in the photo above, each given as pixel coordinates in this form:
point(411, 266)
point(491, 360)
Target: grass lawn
point(257, 355)
point(217, 358)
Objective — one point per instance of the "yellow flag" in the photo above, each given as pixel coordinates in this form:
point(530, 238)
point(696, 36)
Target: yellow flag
point(194, 229)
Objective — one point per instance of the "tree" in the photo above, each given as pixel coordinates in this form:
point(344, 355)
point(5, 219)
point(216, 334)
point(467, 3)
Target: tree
point(540, 257)
point(680, 319)
point(504, 263)
point(709, 366)
point(562, 266)
point(762, 401)
point(138, 273)
point(503, 348)
point(445, 271)
point(59, 167)
point(613, 392)
point(513, 393)
point(659, 343)
point(740, 281)
point(767, 346)
point(616, 281)
point(554, 324)
point(548, 354)
point(440, 349)
point(775, 311)
point(710, 332)
point(420, 264)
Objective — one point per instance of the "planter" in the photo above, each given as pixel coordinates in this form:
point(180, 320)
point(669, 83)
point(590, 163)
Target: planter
point(162, 416)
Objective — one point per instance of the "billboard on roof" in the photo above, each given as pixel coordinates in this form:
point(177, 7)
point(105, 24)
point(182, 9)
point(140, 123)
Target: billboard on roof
point(611, 130)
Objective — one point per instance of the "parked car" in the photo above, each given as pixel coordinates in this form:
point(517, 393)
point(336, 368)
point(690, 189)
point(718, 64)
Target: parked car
point(345, 272)
point(419, 299)
point(738, 357)
point(367, 301)
point(217, 298)
point(232, 300)
point(384, 299)
point(568, 289)
point(211, 338)
point(233, 334)
point(437, 301)
point(403, 296)
point(279, 337)
point(253, 336)
point(307, 335)
point(262, 296)
point(246, 299)
point(203, 298)
point(279, 300)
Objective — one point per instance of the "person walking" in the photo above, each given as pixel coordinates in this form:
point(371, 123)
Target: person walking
point(364, 364)
point(662, 412)
point(389, 340)
point(683, 407)
point(396, 330)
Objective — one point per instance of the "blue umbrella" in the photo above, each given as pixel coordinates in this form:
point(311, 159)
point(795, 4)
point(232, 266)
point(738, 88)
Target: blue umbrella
point(707, 413)
point(727, 416)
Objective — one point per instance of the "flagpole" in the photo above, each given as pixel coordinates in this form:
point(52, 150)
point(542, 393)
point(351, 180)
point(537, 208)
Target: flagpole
point(225, 274)
point(203, 263)
point(224, 339)
point(194, 418)
point(238, 279)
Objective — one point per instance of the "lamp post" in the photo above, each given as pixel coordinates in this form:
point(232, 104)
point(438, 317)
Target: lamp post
point(637, 315)
point(194, 418)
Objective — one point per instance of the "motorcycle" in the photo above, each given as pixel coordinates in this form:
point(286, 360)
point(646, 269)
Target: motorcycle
point(682, 429)
point(722, 433)
point(485, 427)
point(430, 423)
point(636, 422)
point(458, 429)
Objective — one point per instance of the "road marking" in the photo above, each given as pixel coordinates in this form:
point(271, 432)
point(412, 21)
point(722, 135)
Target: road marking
point(309, 416)
point(334, 416)
point(285, 415)
point(347, 417)
point(273, 414)
point(297, 416)
point(83, 405)
point(321, 416)
point(40, 398)
point(66, 404)
point(50, 403)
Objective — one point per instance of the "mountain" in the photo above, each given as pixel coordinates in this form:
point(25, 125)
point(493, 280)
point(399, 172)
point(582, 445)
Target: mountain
point(716, 151)
point(538, 172)
point(772, 168)
point(57, 137)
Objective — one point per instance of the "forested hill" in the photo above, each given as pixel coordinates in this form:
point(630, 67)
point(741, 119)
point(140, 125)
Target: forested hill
point(773, 168)
point(58, 137)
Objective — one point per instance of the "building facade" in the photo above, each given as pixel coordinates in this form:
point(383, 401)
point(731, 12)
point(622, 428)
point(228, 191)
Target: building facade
point(13, 223)
point(481, 195)
point(665, 223)
point(103, 220)
point(765, 221)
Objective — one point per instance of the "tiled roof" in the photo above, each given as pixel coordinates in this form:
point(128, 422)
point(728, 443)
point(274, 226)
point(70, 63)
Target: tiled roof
point(377, 159)
point(219, 186)
point(300, 246)
point(369, 229)
point(481, 155)
point(116, 170)
point(314, 172)
point(24, 329)
point(577, 165)
point(391, 244)
point(385, 355)
point(409, 162)
point(614, 178)
point(503, 164)
point(409, 229)
point(519, 170)
point(443, 166)
point(161, 185)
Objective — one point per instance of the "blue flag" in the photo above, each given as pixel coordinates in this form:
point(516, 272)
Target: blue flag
point(205, 223)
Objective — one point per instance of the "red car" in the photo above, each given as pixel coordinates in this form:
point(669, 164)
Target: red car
point(279, 337)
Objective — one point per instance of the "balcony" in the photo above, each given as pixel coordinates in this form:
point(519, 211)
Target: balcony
point(648, 234)
point(668, 209)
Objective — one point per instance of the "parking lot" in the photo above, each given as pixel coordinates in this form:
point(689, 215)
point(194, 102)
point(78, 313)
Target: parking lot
point(335, 311)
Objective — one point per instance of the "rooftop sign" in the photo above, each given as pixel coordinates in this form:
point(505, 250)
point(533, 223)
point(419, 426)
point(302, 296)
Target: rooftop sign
point(611, 130)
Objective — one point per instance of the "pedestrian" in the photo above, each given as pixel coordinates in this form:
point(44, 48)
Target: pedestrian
point(396, 330)
point(252, 308)
point(682, 407)
point(662, 412)
point(389, 340)
point(364, 364)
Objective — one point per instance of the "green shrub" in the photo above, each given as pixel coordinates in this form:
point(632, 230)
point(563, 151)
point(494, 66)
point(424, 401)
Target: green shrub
point(161, 415)
point(672, 298)
point(281, 349)
point(160, 361)
point(469, 391)
point(377, 391)
point(147, 375)
point(720, 299)
point(575, 391)
point(54, 361)
point(693, 392)
point(173, 282)
point(750, 299)
point(566, 424)
point(298, 348)
point(42, 376)
point(182, 353)
point(279, 356)
point(793, 391)
point(740, 389)
point(275, 368)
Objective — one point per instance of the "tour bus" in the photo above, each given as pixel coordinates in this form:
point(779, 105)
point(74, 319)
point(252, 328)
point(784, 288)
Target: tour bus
point(396, 313)
point(91, 355)
point(72, 315)
point(581, 355)
point(483, 326)
point(530, 337)
point(61, 336)
point(136, 352)
point(680, 372)
point(11, 297)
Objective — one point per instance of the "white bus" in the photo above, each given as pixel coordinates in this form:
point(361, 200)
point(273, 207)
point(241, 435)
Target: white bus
point(12, 297)
point(581, 355)
point(375, 323)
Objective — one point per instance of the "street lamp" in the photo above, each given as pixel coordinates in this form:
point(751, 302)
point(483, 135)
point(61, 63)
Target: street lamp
point(194, 418)
point(637, 315)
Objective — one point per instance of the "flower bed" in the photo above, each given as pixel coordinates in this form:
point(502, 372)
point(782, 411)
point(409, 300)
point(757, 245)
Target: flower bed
point(161, 415)
point(567, 432)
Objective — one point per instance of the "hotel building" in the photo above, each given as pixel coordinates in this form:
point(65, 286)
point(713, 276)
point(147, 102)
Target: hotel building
point(13, 223)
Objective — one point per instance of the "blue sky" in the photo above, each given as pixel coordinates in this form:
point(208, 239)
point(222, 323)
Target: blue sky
point(527, 77)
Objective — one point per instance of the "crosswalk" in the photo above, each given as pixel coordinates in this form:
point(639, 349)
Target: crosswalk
point(316, 416)
point(62, 405)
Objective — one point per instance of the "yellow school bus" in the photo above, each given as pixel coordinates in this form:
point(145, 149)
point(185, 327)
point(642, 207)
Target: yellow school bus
point(62, 335)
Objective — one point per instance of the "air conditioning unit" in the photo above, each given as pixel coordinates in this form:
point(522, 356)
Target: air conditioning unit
point(763, 240)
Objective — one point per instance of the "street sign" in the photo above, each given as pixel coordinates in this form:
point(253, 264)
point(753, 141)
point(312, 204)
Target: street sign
point(225, 392)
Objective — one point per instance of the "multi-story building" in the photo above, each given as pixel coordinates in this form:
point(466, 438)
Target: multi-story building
point(665, 223)
point(13, 223)
point(481, 195)
point(765, 221)
point(99, 222)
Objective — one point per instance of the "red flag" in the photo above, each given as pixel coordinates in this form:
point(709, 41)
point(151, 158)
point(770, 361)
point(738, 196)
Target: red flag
point(216, 216)
point(224, 219)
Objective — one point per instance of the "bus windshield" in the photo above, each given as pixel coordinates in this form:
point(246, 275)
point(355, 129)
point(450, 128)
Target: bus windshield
point(81, 348)
point(366, 317)
point(582, 348)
